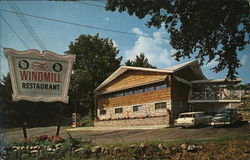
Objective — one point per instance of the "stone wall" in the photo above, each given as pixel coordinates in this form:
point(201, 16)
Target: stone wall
point(146, 110)
point(133, 122)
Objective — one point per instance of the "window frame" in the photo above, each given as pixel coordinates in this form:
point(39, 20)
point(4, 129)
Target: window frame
point(160, 105)
point(103, 113)
point(117, 110)
point(139, 108)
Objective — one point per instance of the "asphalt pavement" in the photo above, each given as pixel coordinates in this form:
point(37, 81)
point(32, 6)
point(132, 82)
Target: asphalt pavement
point(110, 135)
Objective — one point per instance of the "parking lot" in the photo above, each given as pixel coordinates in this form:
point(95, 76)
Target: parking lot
point(137, 135)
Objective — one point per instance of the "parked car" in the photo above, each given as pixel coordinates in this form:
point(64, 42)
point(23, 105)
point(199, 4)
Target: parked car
point(192, 119)
point(227, 116)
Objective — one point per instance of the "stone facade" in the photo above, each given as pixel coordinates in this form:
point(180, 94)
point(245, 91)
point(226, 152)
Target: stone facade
point(146, 110)
point(134, 122)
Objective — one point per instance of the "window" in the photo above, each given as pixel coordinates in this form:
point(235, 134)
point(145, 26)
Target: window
point(119, 94)
point(137, 108)
point(149, 88)
point(161, 86)
point(160, 105)
point(139, 90)
point(118, 110)
point(129, 92)
point(103, 111)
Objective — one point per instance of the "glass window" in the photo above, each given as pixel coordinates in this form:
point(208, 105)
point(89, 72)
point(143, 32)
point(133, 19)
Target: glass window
point(149, 88)
point(161, 86)
point(160, 105)
point(186, 115)
point(139, 90)
point(118, 110)
point(137, 108)
point(129, 92)
point(103, 111)
point(119, 94)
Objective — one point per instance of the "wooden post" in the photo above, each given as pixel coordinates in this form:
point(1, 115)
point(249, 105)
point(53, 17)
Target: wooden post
point(20, 107)
point(61, 105)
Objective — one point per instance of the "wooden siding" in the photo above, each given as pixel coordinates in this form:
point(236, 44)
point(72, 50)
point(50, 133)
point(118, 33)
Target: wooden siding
point(140, 98)
point(132, 78)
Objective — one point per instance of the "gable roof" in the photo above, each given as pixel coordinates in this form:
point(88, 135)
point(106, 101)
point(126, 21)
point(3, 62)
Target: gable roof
point(181, 66)
point(171, 69)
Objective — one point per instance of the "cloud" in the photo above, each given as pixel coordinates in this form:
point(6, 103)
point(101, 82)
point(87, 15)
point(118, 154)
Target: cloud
point(243, 59)
point(211, 64)
point(115, 44)
point(107, 19)
point(155, 49)
point(137, 31)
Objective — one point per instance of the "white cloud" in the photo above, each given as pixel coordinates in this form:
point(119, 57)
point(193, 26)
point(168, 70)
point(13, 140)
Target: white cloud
point(114, 43)
point(107, 19)
point(243, 59)
point(211, 64)
point(155, 49)
point(137, 31)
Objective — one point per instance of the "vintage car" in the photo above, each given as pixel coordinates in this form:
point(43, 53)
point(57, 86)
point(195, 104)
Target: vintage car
point(227, 116)
point(192, 119)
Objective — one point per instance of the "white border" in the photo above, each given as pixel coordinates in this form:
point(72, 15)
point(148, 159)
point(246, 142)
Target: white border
point(10, 53)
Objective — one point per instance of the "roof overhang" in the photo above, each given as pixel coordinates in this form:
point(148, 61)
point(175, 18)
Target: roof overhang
point(182, 80)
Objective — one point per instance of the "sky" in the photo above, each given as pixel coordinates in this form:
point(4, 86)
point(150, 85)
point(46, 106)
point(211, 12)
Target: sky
point(57, 36)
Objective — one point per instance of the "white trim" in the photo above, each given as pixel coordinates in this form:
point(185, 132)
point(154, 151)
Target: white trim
point(215, 81)
point(46, 55)
point(213, 101)
point(182, 80)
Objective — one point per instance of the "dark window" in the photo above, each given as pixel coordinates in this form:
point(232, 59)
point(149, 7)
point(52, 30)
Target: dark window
point(160, 105)
point(103, 111)
point(149, 88)
point(118, 110)
point(137, 108)
point(119, 94)
point(138, 90)
point(129, 92)
point(161, 86)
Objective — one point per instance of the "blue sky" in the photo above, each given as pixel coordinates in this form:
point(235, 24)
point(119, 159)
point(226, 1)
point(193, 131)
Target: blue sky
point(57, 36)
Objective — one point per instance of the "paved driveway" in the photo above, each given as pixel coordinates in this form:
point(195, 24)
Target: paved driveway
point(137, 135)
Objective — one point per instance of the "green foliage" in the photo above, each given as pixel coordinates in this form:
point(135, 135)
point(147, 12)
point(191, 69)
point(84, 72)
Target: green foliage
point(140, 61)
point(34, 113)
point(96, 59)
point(214, 30)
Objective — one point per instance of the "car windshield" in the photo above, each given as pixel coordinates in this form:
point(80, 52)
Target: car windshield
point(222, 114)
point(185, 115)
point(225, 110)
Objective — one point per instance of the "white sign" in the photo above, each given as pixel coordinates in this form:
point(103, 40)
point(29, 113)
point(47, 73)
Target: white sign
point(39, 77)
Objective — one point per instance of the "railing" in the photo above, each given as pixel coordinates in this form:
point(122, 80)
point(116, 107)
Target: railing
point(214, 96)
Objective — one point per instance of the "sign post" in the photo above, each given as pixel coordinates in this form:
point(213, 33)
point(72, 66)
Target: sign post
point(39, 77)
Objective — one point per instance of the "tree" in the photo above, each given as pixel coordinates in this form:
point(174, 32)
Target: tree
point(140, 61)
point(96, 59)
point(9, 111)
point(35, 114)
point(214, 30)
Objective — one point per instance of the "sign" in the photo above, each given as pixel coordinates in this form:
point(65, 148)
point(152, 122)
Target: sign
point(39, 77)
